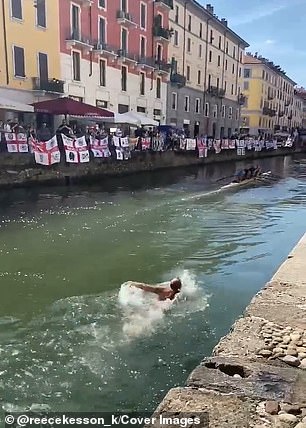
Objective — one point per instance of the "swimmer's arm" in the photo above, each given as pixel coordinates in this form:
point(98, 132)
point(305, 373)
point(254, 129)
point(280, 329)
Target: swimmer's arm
point(144, 287)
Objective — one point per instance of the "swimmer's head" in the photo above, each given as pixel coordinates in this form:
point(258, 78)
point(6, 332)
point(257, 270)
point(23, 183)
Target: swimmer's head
point(176, 284)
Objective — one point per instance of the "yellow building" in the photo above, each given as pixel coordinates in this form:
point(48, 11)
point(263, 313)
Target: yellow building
point(269, 97)
point(29, 46)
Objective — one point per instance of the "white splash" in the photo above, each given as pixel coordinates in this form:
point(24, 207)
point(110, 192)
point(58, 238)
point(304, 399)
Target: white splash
point(143, 312)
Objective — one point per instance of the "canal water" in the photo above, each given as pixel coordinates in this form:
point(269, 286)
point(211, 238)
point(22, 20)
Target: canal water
point(73, 337)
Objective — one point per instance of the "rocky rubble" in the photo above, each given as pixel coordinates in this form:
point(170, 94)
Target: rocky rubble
point(284, 343)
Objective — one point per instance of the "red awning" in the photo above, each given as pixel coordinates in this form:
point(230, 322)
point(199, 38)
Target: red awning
point(69, 106)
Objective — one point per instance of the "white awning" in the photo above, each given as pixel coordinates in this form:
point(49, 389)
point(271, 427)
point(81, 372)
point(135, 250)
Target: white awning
point(6, 104)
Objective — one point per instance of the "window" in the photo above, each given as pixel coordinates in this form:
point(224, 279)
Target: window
point(176, 38)
point(176, 14)
point(237, 113)
point(187, 103)
point(201, 30)
point(200, 51)
point(143, 16)
point(226, 49)
point(215, 111)
point(142, 47)
point(76, 66)
point(123, 108)
point(246, 86)
point(206, 110)
point(188, 73)
point(210, 56)
point(101, 103)
point(102, 69)
point(43, 66)
point(123, 78)
point(123, 39)
point(157, 112)
point(124, 5)
point(247, 73)
point(230, 112)
point(158, 87)
point(159, 53)
point(233, 69)
point(219, 60)
point(16, 9)
point(199, 77)
point(41, 13)
point(211, 39)
point(197, 105)
point(75, 22)
point(209, 81)
point(102, 4)
point(188, 45)
point(232, 92)
point(263, 74)
point(239, 71)
point(141, 109)
point(19, 68)
point(225, 86)
point(220, 42)
point(234, 52)
point(174, 101)
point(223, 111)
point(189, 22)
point(102, 33)
point(226, 65)
point(142, 83)
point(218, 82)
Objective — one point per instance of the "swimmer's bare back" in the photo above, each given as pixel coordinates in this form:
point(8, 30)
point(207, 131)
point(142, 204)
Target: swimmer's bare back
point(162, 292)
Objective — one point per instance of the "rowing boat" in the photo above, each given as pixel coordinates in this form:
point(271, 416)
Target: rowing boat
point(261, 177)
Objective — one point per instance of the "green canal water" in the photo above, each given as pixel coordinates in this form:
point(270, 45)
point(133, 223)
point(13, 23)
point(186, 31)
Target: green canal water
point(73, 338)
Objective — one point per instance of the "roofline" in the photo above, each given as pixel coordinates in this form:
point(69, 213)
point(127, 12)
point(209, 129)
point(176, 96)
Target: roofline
point(270, 68)
point(218, 21)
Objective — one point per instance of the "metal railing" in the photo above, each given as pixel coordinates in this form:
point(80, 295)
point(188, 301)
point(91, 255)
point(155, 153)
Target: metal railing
point(48, 85)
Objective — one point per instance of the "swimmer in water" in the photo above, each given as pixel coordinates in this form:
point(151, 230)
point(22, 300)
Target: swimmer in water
point(163, 293)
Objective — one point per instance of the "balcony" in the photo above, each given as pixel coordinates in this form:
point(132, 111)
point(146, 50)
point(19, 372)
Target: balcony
point(241, 99)
point(146, 63)
point(162, 67)
point(178, 80)
point(268, 112)
point(105, 50)
point(162, 34)
point(54, 86)
point(125, 18)
point(84, 2)
point(123, 56)
point(270, 97)
point(76, 40)
point(214, 91)
point(165, 4)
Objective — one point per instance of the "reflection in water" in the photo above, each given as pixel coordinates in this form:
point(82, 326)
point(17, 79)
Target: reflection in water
point(74, 337)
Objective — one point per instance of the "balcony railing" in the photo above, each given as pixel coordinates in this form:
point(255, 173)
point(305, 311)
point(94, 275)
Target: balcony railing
point(146, 62)
point(125, 18)
point(50, 85)
point(105, 49)
point(268, 112)
point(214, 91)
point(178, 79)
point(162, 66)
point(165, 3)
point(162, 33)
point(270, 97)
point(126, 56)
point(76, 39)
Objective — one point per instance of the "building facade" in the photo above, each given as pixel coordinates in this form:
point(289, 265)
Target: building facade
point(114, 53)
point(301, 93)
point(29, 44)
point(270, 103)
point(204, 91)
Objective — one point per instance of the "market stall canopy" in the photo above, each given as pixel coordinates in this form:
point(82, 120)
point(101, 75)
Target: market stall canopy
point(68, 106)
point(6, 104)
point(125, 118)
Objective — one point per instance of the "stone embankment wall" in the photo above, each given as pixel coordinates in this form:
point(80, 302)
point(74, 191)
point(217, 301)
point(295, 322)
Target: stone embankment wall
point(20, 170)
point(257, 374)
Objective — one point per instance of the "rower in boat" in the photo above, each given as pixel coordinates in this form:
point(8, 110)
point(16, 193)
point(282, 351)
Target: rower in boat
point(247, 173)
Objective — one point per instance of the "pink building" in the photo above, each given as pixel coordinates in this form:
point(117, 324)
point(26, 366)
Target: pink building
point(114, 53)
